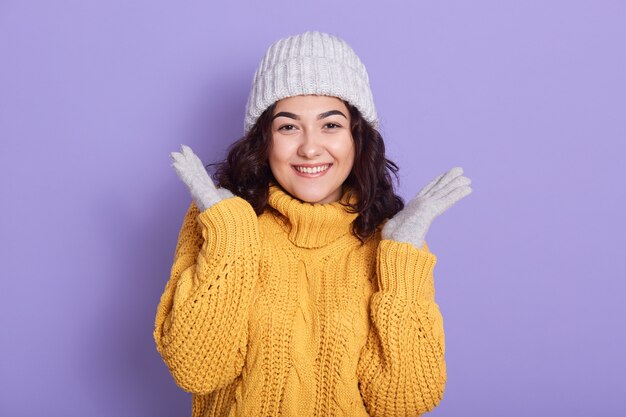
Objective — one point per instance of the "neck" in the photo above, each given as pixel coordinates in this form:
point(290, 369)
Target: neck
point(311, 225)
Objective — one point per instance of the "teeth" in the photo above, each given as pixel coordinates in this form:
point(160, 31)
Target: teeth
point(312, 170)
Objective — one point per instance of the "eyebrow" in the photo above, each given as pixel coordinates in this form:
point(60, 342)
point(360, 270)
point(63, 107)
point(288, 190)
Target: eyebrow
point(319, 116)
point(286, 114)
point(330, 113)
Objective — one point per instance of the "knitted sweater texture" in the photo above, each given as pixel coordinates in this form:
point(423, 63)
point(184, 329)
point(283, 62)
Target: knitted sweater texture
point(289, 314)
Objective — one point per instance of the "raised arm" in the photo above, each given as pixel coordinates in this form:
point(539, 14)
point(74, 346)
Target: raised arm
point(402, 370)
point(201, 322)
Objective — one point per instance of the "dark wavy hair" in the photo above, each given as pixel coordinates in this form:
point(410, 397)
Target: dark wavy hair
point(246, 172)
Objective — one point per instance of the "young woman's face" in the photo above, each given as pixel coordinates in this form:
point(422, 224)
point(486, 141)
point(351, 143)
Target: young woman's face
point(312, 150)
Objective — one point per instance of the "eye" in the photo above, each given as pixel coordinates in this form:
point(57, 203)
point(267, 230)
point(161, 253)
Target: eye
point(287, 127)
point(332, 125)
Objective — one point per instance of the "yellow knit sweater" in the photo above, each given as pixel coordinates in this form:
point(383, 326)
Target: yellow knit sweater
point(288, 314)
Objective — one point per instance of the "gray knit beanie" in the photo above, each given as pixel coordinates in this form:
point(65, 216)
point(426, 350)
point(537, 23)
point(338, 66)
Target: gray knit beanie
point(310, 63)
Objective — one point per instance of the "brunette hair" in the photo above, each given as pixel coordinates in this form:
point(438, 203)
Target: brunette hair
point(246, 172)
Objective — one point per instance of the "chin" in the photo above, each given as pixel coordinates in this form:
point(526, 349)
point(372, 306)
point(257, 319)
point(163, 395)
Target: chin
point(316, 198)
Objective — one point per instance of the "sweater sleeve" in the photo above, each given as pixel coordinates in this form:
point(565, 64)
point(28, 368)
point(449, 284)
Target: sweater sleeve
point(202, 318)
point(401, 370)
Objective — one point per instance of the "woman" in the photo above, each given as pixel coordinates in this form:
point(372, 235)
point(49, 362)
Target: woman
point(291, 292)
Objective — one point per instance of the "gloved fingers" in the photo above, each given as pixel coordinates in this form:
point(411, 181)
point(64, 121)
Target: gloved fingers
point(190, 163)
point(192, 157)
point(194, 175)
point(180, 165)
point(447, 178)
point(184, 168)
point(185, 154)
point(177, 157)
point(185, 175)
point(457, 182)
point(428, 201)
point(448, 200)
point(186, 150)
point(184, 161)
point(193, 160)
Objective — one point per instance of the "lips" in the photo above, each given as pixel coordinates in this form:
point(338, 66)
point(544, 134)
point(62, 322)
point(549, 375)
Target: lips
point(311, 169)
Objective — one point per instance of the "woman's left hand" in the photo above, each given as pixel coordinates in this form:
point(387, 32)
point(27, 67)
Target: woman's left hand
point(411, 223)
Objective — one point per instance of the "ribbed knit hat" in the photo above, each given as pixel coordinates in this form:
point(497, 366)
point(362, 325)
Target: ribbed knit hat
point(310, 63)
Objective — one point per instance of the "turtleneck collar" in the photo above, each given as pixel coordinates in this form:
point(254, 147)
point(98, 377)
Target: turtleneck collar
point(311, 225)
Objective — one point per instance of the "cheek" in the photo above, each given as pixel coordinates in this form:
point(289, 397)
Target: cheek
point(345, 152)
point(279, 154)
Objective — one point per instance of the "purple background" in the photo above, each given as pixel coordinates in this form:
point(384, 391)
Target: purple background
point(528, 96)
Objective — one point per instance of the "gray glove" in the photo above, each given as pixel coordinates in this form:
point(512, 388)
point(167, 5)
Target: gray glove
point(411, 223)
point(192, 172)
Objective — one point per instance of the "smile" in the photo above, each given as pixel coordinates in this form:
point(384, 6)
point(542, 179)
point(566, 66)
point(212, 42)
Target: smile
point(311, 170)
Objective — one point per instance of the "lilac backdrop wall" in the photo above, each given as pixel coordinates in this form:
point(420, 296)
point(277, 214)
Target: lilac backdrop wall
point(528, 96)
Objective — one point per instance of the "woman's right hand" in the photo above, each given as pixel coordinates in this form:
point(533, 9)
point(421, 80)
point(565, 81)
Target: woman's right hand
point(192, 172)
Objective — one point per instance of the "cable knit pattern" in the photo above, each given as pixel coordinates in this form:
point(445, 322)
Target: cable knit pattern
point(402, 369)
point(205, 304)
point(289, 314)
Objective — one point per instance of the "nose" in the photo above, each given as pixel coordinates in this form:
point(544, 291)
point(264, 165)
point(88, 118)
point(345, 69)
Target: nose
point(310, 147)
